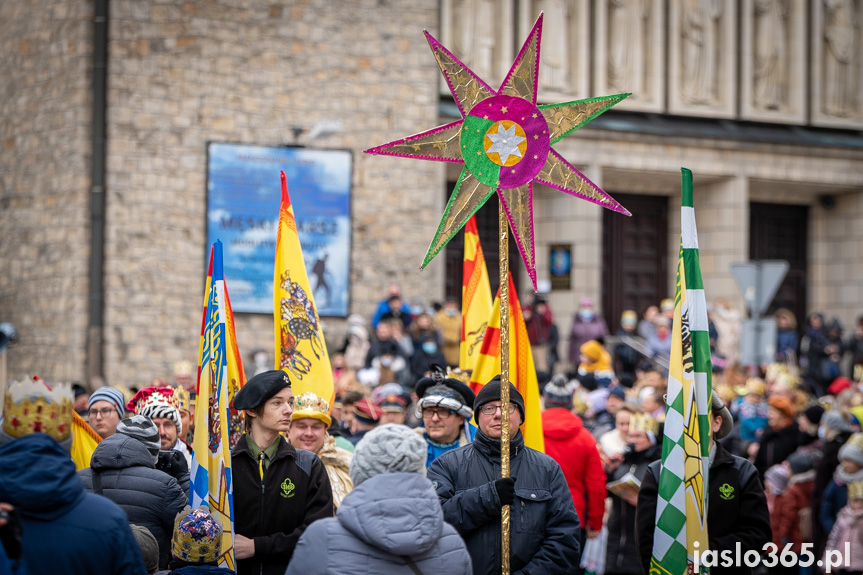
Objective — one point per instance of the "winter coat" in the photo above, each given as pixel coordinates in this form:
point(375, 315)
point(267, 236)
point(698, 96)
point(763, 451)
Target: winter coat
point(798, 495)
point(737, 510)
point(582, 332)
point(387, 518)
point(834, 499)
point(65, 529)
point(151, 498)
point(544, 526)
point(824, 471)
point(574, 449)
point(274, 511)
point(848, 528)
point(776, 446)
point(619, 551)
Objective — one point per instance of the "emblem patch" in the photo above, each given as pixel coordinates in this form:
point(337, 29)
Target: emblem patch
point(287, 488)
point(726, 491)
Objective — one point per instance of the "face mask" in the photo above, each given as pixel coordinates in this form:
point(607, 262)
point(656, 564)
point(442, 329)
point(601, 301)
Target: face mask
point(585, 314)
point(451, 312)
point(822, 433)
point(429, 347)
point(337, 372)
point(386, 361)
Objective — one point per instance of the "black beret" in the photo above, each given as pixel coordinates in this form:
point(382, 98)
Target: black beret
point(260, 388)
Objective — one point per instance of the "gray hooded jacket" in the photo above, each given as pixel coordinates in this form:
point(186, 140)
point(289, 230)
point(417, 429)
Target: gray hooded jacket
point(386, 518)
point(129, 478)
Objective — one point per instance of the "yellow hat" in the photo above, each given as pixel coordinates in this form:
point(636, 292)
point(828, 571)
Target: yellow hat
point(310, 405)
point(643, 422)
point(197, 537)
point(755, 386)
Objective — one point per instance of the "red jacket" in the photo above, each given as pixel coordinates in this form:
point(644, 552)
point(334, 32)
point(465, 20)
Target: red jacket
point(574, 449)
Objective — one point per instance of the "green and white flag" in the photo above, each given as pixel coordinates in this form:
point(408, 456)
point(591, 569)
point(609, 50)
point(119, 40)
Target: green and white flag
point(681, 505)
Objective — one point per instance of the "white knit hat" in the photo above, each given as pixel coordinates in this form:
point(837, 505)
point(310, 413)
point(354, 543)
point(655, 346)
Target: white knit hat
point(389, 448)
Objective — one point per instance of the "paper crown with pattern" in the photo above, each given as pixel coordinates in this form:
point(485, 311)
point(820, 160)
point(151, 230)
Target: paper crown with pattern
point(643, 422)
point(156, 402)
point(184, 368)
point(310, 405)
point(197, 537)
point(855, 490)
point(182, 399)
point(34, 407)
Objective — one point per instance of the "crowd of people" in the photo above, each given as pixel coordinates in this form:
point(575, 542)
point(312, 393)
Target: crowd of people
point(402, 473)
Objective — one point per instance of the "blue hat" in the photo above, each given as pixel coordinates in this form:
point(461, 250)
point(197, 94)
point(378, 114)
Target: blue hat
point(113, 396)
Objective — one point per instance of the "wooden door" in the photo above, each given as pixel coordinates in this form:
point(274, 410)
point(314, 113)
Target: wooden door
point(634, 256)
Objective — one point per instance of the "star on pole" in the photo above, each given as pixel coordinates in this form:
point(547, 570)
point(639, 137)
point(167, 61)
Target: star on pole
point(504, 140)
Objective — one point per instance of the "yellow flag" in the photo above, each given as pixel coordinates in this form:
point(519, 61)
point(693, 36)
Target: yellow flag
point(300, 347)
point(522, 372)
point(475, 298)
point(84, 442)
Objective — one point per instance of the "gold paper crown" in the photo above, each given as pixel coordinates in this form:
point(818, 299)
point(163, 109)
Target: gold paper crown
point(643, 422)
point(310, 405)
point(197, 537)
point(755, 386)
point(33, 407)
point(182, 398)
point(855, 490)
point(462, 376)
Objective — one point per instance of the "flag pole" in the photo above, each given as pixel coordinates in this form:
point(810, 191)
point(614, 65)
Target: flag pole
point(503, 226)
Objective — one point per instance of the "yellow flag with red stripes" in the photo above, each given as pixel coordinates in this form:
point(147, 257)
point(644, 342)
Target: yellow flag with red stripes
point(522, 372)
point(475, 298)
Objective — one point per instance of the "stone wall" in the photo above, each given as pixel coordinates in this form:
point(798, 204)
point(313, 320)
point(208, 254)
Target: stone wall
point(44, 183)
point(185, 73)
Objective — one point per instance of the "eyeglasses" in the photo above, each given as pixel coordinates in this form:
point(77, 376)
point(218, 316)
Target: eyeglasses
point(104, 412)
point(489, 409)
point(441, 413)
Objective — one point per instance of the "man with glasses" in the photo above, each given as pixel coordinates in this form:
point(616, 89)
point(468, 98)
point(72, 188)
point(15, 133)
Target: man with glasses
point(445, 407)
point(105, 409)
point(544, 527)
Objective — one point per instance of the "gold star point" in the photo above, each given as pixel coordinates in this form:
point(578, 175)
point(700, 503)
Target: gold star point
point(503, 109)
point(479, 153)
point(535, 157)
point(534, 116)
point(536, 136)
point(485, 117)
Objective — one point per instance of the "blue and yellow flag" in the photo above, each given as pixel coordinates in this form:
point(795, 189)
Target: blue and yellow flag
point(212, 484)
point(300, 347)
point(681, 505)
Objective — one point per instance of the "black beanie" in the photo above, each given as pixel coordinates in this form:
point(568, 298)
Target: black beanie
point(813, 413)
point(491, 392)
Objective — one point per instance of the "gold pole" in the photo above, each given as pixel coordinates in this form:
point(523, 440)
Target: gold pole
point(503, 226)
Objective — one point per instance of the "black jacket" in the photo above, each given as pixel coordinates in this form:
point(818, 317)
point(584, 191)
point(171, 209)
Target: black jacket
point(544, 526)
point(151, 498)
point(274, 512)
point(739, 516)
point(619, 551)
point(776, 446)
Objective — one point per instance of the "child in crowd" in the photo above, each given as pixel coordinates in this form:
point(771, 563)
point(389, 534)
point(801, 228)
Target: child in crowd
point(751, 410)
point(848, 529)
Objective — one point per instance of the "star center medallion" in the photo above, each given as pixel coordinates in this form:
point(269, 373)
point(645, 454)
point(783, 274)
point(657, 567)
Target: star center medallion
point(505, 143)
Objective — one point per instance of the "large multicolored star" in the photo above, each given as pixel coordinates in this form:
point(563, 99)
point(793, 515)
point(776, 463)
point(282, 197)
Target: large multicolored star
point(504, 141)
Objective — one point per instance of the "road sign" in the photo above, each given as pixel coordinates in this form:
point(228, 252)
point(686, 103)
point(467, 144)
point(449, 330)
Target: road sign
point(758, 282)
point(758, 341)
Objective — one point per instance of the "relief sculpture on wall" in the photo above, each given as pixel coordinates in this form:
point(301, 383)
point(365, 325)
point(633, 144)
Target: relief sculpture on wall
point(626, 47)
point(770, 67)
point(841, 33)
point(700, 35)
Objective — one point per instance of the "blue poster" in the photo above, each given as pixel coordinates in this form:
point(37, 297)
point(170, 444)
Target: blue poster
point(244, 193)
